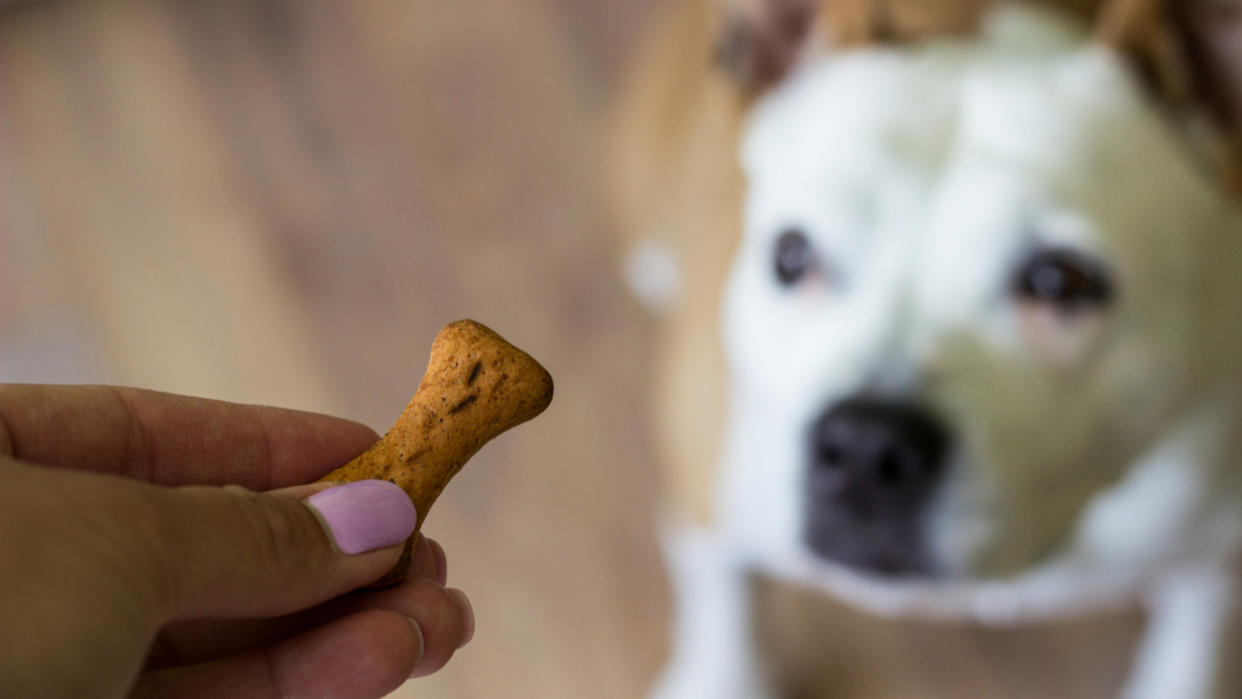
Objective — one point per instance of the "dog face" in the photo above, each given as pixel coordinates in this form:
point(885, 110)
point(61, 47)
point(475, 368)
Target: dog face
point(975, 288)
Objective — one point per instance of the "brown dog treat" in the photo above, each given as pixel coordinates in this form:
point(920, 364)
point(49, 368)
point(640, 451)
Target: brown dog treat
point(476, 386)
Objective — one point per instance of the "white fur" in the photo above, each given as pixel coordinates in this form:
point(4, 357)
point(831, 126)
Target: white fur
point(1181, 655)
point(1093, 458)
point(713, 655)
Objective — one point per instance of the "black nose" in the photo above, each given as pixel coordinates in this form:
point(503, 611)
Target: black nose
point(872, 468)
point(882, 448)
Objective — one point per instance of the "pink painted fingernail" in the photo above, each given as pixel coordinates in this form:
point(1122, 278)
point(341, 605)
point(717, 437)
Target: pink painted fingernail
point(365, 516)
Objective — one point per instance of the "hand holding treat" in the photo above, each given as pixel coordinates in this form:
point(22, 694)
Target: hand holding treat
point(128, 570)
point(476, 386)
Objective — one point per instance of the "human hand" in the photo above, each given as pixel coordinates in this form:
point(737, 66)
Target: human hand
point(125, 568)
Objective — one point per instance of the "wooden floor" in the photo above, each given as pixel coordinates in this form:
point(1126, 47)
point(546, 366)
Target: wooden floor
point(281, 201)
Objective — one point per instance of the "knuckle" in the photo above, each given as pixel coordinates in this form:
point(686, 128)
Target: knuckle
point(232, 548)
point(132, 548)
point(282, 531)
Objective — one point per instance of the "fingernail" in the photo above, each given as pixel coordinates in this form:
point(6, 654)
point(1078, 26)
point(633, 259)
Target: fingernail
point(467, 614)
point(422, 644)
point(365, 516)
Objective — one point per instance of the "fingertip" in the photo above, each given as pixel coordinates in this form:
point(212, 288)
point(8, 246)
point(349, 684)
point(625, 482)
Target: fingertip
point(467, 614)
point(422, 559)
point(441, 560)
point(387, 646)
point(420, 645)
point(441, 620)
point(367, 654)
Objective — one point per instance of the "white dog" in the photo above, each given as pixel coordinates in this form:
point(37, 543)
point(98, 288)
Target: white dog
point(984, 352)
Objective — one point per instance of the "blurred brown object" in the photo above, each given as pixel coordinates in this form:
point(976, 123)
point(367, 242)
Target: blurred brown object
point(758, 40)
point(282, 201)
point(1216, 64)
point(676, 182)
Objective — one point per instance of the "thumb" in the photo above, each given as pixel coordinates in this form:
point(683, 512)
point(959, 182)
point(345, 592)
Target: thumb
point(232, 552)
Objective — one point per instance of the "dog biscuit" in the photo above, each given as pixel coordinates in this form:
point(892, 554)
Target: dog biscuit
point(476, 386)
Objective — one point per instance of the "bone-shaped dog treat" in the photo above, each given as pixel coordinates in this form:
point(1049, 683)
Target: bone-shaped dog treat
point(476, 386)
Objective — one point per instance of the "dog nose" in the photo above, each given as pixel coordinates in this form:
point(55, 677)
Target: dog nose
point(873, 468)
point(878, 450)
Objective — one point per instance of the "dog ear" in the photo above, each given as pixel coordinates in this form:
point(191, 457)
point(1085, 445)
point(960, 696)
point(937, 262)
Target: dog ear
point(757, 41)
point(1212, 33)
point(1191, 53)
point(1144, 31)
point(760, 40)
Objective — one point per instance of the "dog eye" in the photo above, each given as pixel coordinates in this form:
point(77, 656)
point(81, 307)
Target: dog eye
point(1064, 279)
point(794, 258)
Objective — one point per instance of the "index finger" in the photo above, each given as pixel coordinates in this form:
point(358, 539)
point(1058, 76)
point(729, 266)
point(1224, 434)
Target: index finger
point(173, 440)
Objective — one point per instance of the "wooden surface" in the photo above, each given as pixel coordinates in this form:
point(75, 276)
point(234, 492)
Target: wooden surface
point(281, 201)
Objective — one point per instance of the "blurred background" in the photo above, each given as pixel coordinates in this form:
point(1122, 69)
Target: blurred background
point(282, 201)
